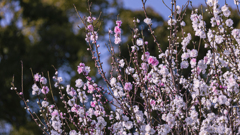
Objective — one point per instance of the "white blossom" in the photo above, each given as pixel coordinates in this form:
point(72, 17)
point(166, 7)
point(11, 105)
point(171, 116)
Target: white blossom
point(139, 42)
point(121, 63)
point(148, 21)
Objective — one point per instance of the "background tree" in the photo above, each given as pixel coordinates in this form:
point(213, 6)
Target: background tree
point(41, 33)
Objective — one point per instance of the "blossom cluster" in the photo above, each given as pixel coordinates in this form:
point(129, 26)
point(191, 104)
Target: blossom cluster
point(149, 94)
point(117, 31)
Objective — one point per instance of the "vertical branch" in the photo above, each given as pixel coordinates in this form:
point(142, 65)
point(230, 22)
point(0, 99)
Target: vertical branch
point(22, 76)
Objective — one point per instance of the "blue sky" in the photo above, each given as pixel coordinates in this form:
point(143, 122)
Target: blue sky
point(160, 7)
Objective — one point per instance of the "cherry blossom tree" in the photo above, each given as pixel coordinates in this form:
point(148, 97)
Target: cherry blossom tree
point(150, 94)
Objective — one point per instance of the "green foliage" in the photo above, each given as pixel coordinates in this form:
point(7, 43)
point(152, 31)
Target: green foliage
point(41, 33)
point(30, 128)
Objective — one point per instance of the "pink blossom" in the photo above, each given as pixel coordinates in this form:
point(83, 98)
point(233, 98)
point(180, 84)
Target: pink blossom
point(89, 78)
point(153, 60)
point(128, 86)
point(75, 108)
point(119, 22)
point(84, 87)
point(90, 88)
point(117, 30)
point(90, 27)
point(61, 115)
point(147, 54)
point(93, 103)
point(205, 59)
point(215, 90)
point(81, 68)
point(144, 66)
point(54, 113)
point(117, 40)
point(96, 113)
point(37, 77)
point(193, 62)
point(225, 112)
point(45, 89)
point(43, 80)
point(198, 70)
point(72, 92)
point(152, 102)
point(218, 22)
point(90, 19)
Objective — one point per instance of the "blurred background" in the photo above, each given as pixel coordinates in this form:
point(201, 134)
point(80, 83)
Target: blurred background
point(43, 33)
